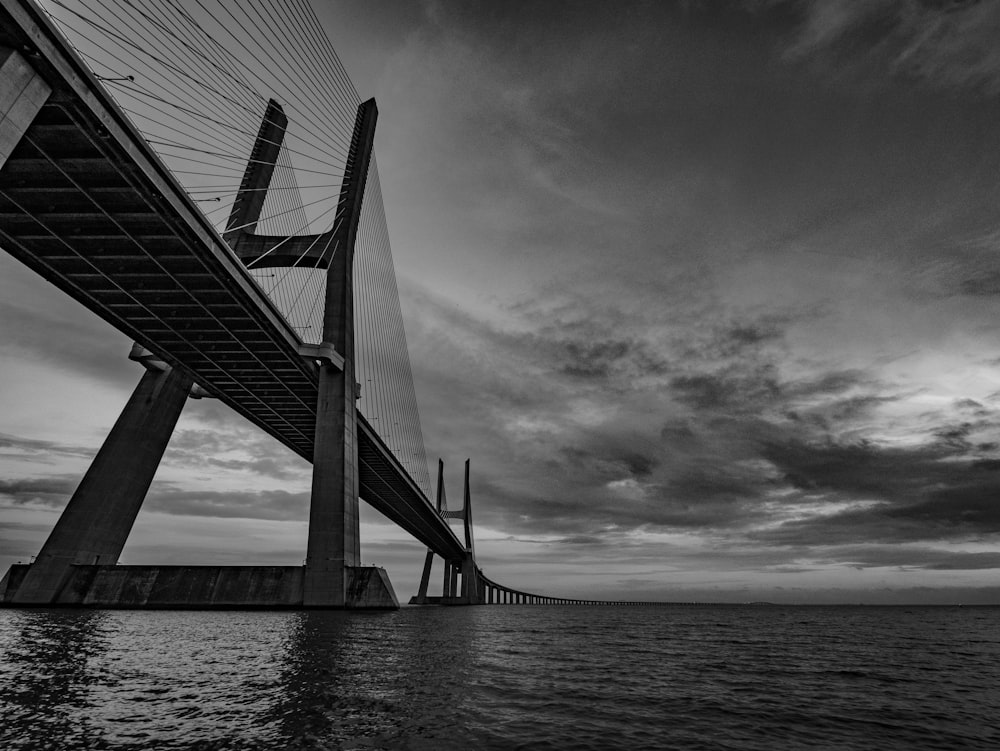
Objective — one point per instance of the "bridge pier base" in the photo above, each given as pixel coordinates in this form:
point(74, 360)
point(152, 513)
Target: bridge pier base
point(368, 587)
point(195, 587)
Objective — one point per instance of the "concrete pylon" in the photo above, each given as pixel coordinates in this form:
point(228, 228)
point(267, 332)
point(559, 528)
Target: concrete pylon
point(333, 575)
point(96, 523)
point(334, 548)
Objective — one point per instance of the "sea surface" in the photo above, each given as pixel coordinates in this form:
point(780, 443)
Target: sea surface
point(503, 677)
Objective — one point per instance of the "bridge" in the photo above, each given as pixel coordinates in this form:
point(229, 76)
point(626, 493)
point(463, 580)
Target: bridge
point(316, 359)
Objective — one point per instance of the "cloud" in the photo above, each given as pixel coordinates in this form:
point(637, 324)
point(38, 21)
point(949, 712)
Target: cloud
point(986, 285)
point(88, 345)
point(721, 440)
point(944, 44)
point(41, 451)
point(278, 505)
point(52, 492)
point(937, 490)
point(237, 448)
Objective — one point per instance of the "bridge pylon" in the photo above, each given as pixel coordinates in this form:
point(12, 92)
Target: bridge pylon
point(462, 583)
point(333, 575)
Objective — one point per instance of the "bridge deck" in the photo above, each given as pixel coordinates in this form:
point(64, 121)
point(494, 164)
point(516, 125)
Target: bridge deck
point(86, 203)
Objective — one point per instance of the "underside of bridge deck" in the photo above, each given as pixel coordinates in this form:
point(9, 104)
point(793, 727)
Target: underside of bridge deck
point(87, 204)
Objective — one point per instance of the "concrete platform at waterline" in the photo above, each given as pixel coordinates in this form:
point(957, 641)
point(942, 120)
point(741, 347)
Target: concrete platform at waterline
point(200, 588)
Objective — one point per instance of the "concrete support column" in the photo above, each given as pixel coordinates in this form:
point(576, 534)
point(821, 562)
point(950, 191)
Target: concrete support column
point(22, 94)
point(334, 536)
point(470, 582)
point(96, 523)
point(454, 581)
point(425, 578)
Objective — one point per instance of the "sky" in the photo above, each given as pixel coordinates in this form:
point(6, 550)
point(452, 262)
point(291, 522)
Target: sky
point(706, 291)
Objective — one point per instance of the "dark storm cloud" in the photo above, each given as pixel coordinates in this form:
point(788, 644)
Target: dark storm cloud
point(720, 443)
point(732, 389)
point(935, 491)
point(743, 336)
point(599, 455)
point(593, 359)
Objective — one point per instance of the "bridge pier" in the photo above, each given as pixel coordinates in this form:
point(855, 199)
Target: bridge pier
point(95, 525)
point(333, 555)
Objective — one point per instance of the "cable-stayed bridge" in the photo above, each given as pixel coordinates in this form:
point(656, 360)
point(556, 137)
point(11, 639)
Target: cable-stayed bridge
point(149, 169)
point(201, 175)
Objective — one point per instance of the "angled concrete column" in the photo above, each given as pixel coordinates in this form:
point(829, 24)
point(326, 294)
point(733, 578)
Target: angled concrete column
point(333, 542)
point(22, 94)
point(245, 212)
point(425, 579)
point(96, 522)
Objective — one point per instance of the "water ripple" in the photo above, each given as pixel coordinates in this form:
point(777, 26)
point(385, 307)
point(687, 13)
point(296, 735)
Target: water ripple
point(502, 678)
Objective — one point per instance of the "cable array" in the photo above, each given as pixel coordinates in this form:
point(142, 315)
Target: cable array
point(388, 398)
point(195, 77)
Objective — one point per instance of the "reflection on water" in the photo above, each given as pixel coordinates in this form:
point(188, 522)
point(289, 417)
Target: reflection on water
point(50, 660)
point(501, 677)
point(370, 678)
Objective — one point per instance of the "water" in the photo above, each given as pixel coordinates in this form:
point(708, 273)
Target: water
point(503, 677)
